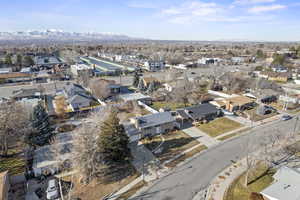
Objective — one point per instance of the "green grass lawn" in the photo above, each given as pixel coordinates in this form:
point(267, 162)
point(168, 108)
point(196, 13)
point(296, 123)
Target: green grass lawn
point(259, 179)
point(164, 104)
point(15, 165)
point(219, 126)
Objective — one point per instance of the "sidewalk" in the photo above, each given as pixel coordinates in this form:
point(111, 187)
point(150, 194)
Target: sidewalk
point(125, 189)
point(220, 184)
point(232, 132)
point(202, 137)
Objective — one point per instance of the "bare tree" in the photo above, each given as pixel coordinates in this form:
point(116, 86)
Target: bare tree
point(250, 159)
point(85, 157)
point(100, 88)
point(14, 123)
point(84, 78)
point(61, 106)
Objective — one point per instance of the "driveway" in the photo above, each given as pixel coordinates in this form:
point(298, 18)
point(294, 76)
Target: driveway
point(142, 159)
point(202, 137)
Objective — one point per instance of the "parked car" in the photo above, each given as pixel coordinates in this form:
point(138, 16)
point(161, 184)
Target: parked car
point(52, 189)
point(286, 117)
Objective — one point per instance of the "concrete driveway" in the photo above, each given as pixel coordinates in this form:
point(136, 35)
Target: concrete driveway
point(202, 137)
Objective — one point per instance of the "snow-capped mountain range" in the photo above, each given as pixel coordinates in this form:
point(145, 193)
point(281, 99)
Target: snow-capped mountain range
point(55, 34)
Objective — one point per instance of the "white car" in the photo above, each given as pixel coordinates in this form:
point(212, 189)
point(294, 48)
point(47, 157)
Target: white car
point(52, 190)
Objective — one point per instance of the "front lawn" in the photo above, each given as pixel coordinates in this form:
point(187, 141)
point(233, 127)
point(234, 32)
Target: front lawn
point(175, 142)
point(186, 156)
point(219, 126)
point(259, 179)
point(97, 189)
point(164, 104)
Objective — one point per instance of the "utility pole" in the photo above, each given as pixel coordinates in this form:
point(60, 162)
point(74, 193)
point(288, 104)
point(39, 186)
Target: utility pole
point(295, 127)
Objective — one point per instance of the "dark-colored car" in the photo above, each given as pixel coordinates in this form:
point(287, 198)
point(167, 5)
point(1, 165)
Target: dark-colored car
point(286, 117)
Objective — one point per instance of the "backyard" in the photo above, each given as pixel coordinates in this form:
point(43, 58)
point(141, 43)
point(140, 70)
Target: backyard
point(219, 126)
point(166, 104)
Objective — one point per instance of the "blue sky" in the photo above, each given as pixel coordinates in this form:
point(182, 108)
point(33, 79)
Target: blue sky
point(274, 20)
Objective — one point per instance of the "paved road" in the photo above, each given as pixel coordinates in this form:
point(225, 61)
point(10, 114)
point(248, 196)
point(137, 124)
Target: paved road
point(185, 181)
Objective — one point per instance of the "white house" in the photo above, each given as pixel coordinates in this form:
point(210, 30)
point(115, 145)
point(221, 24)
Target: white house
point(75, 69)
point(286, 185)
point(207, 61)
point(153, 66)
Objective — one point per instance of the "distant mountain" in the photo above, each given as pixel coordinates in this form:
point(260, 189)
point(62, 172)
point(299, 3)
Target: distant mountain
point(59, 35)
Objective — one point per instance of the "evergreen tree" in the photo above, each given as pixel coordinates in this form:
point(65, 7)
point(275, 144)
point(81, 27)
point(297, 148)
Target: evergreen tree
point(136, 79)
point(113, 141)
point(28, 61)
point(19, 60)
point(8, 60)
point(42, 131)
point(141, 85)
point(151, 87)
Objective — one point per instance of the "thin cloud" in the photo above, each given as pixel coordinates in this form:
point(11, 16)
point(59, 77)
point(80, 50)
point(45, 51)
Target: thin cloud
point(268, 8)
point(198, 11)
point(245, 2)
point(138, 4)
point(195, 9)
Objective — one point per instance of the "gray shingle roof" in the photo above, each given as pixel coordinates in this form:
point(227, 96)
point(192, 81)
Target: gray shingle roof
point(155, 119)
point(201, 110)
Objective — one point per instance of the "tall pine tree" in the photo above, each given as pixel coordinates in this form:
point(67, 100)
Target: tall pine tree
point(42, 131)
point(113, 141)
point(136, 79)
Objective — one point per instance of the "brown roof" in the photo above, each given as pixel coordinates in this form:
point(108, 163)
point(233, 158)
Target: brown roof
point(3, 176)
point(150, 79)
point(276, 74)
point(240, 100)
point(14, 75)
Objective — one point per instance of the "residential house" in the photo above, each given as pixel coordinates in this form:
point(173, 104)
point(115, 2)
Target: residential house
point(82, 101)
point(154, 124)
point(5, 70)
point(264, 110)
point(235, 103)
point(208, 61)
point(269, 99)
point(77, 97)
point(148, 80)
point(15, 77)
point(154, 65)
point(286, 185)
point(201, 112)
point(79, 68)
point(279, 69)
point(276, 76)
point(47, 61)
point(4, 185)
point(32, 93)
point(136, 97)
point(46, 159)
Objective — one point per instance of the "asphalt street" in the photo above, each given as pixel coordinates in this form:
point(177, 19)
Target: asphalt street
point(185, 181)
